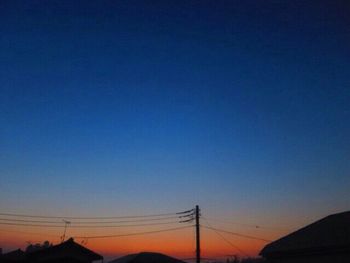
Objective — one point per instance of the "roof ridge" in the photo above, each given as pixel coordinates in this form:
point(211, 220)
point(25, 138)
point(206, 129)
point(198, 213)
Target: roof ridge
point(319, 229)
point(339, 213)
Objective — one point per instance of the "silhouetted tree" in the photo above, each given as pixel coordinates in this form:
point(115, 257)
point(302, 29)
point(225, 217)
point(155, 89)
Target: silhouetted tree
point(38, 246)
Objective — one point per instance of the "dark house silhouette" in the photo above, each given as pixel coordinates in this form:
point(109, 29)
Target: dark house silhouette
point(326, 240)
point(13, 256)
point(147, 257)
point(67, 252)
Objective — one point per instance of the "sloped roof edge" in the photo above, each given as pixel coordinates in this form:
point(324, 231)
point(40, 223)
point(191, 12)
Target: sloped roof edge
point(331, 232)
point(69, 243)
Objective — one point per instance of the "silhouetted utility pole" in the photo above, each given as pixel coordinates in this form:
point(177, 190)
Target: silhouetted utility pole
point(198, 243)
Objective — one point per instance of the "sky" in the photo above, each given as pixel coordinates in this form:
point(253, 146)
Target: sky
point(142, 107)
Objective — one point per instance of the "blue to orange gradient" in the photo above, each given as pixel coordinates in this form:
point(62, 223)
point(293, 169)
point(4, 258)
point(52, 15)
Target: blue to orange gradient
point(135, 107)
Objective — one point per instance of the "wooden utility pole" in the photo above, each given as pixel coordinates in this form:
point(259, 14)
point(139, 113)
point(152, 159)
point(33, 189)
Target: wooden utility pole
point(198, 244)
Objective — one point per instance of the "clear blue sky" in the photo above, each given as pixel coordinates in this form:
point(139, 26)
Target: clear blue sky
point(114, 107)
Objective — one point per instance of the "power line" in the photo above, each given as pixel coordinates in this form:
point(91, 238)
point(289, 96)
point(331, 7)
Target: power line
point(28, 233)
point(226, 240)
point(101, 217)
point(136, 234)
point(186, 212)
point(237, 234)
point(247, 225)
point(88, 226)
point(88, 222)
point(34, 225)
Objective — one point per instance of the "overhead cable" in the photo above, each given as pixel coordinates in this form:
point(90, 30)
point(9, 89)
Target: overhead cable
point(247, 225)
point(136, 234)
point(237, 234)
point(100, 217)
point(88, 222)
point(225, 239)
point(88, 226)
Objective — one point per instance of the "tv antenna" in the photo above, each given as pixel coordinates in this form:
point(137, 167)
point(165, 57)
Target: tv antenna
point(66, 223)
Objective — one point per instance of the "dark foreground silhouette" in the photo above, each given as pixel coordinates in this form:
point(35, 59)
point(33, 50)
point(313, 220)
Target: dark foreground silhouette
point(146, 257)
point(326, 240)
point(68, 252)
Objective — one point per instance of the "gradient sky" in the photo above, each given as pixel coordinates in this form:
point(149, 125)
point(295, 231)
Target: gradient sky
point(138, 107)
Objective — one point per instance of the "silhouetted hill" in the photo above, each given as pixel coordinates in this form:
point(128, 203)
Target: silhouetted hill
point(146, 257)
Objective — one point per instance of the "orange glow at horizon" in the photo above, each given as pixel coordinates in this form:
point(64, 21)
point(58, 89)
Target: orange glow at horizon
point(180, 243)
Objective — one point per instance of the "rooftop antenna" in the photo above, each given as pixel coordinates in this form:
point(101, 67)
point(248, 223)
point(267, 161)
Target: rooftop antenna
point(84, 241)
point(66, 223)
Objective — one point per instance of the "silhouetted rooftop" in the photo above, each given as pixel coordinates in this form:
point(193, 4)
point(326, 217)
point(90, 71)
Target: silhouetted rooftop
point(331, 233)
point(146, 257)
point(13, 256)
point(66, 249)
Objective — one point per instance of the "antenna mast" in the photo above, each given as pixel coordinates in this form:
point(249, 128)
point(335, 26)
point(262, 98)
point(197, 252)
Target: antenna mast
point(66, 223)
